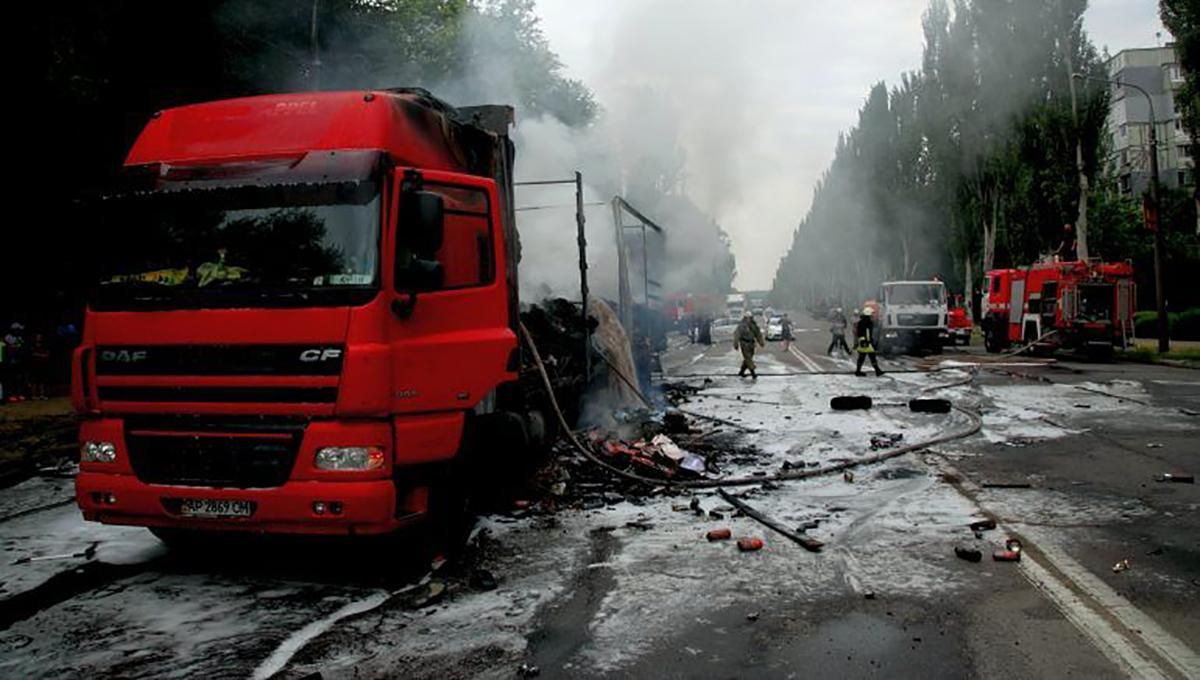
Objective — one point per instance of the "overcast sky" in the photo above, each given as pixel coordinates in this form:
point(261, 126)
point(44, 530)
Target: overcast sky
point(763, 87)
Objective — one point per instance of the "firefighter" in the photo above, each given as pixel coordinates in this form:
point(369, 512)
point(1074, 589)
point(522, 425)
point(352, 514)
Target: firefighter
point(704, 333)
point(837, 329)
point(745, 337)
point(786, 331)
point(1066, 251)
point(864, 333)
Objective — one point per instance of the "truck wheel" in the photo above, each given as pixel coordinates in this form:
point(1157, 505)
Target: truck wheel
point(991, 343)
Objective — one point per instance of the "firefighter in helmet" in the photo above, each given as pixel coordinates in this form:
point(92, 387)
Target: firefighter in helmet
point(746, 337)
point(864, 334)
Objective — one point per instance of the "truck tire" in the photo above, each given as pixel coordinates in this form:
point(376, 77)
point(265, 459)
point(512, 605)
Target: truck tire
point(991, 343)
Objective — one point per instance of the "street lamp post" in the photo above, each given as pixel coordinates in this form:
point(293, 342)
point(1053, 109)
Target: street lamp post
point(1164, 343)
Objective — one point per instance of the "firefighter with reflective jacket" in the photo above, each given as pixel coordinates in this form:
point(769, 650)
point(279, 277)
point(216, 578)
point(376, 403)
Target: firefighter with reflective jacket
point(864, 334)
point(745, 338)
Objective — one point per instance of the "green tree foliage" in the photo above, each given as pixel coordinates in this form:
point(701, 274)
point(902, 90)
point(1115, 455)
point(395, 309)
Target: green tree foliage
point(100, 69)
point(968, 164)
point(1182, 18)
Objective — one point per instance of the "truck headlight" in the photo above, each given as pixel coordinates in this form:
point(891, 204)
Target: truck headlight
point(98, 452)
point(349, 458)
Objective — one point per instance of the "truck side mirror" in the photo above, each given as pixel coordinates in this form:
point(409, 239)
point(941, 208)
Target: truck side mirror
point(422, 223)
point(420, 231)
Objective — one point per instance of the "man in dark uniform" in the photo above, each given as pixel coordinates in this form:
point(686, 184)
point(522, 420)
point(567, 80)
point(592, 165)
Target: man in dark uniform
point(785, 330)
point(746, 337)
point(864, 334)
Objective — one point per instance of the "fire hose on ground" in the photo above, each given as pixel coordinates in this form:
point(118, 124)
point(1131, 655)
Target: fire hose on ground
point(975, 424)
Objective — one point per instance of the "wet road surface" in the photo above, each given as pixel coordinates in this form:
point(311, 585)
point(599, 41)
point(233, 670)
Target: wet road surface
point(582, 593)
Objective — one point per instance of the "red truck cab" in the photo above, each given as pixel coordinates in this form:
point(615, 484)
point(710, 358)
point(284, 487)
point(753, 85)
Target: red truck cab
point(958, 324)
point(304, 315)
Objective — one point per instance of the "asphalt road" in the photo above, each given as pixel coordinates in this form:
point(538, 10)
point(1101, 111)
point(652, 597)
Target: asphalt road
point(632, 588)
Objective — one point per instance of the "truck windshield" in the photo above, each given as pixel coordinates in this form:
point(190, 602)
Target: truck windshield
point(238, 246)
point(916, 294)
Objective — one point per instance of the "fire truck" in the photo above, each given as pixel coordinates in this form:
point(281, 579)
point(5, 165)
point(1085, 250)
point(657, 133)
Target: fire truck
point(1088, 305)
point(305, 318)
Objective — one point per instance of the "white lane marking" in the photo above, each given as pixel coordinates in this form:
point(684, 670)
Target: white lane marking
point(1189, 383)
point(1169, 647)
point(812, 364)
point(1099, 632)
point(1113, 643)
point(296, 641)
point(808, 363)
point(696, 358)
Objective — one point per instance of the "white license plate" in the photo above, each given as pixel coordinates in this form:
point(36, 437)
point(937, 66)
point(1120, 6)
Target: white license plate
point(204, 507)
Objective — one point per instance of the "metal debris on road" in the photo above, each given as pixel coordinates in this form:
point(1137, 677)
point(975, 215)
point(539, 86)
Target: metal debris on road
point(848, 476)
point(527, 670)
point(885, 440)
point(806, 542)
point(983, 525)
point(87, 554)
point(1177, 478)
point(968, 554)
point(1154, 445)
point(1121, 566)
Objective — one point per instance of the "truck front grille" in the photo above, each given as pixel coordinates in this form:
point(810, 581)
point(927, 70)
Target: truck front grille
point(917, 319)
point(219, 359)
point(240, 457)
point(293, 395)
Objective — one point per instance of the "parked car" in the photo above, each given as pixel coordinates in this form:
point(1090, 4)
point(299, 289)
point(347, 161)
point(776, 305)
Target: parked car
point(774, 328)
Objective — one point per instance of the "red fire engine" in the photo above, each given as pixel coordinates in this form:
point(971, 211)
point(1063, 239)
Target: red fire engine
point(1089, 305)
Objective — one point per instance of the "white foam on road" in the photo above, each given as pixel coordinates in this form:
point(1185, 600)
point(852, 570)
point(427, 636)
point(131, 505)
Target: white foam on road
point(296, 641)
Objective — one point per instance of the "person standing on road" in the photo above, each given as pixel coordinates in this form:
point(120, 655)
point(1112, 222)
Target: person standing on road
point(746, 337)
point(39, 368)
point(837, 328)
point(704, 333)
point(785, 325)
point(14, 359)
point(864, 334)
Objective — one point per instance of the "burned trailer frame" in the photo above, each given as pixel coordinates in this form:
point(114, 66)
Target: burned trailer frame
point(645, 320)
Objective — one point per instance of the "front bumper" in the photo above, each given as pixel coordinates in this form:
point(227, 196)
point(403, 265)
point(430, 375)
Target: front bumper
point(369, 507)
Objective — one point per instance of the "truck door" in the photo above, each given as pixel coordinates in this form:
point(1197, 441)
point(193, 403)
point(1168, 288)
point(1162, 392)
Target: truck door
point(1070, 304)
point(1049, 304)
point(450, 342)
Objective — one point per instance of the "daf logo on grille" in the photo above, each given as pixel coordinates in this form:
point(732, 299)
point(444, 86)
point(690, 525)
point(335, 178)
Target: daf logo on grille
point(311, 355)
point(123, 356)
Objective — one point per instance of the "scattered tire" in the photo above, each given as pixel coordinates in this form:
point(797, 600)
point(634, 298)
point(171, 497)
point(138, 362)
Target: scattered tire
point(850, 403)
point(929, 405)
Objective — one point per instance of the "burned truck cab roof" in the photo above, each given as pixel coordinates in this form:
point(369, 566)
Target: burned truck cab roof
point(414, 128)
